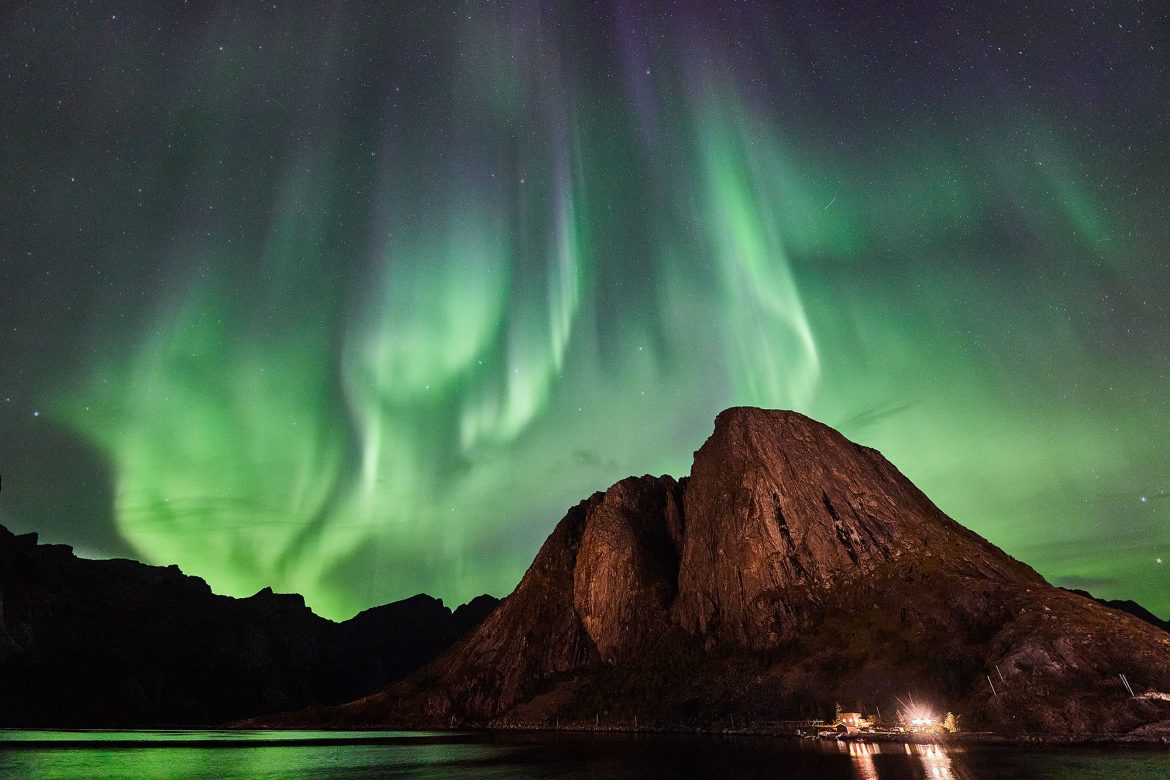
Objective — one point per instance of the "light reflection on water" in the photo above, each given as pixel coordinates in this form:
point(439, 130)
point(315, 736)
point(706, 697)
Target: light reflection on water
point(936, 763)
point(200, 755)
point(863, 763)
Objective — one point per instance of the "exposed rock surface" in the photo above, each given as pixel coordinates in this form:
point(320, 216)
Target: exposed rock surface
point(792, 570)
point(118, 643)
point(1130, 607)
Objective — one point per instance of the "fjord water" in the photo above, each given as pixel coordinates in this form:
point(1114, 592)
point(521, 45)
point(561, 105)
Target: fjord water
point(322, 754)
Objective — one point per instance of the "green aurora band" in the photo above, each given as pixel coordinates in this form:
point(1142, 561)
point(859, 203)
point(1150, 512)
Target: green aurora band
point(406, 313)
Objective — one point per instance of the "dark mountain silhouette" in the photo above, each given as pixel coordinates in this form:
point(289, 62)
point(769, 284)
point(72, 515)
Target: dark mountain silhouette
point(1127, 606)
point(118, 643)
point(792, 570)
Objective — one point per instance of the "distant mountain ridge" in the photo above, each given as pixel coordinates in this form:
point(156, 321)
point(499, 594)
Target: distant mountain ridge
point(117, 643)
point(1127, 606)
point(793, 569)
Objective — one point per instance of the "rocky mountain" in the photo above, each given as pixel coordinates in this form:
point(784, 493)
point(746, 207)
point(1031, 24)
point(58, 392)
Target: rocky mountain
point(1129, 607)
point(792, 570)
point(118, 643)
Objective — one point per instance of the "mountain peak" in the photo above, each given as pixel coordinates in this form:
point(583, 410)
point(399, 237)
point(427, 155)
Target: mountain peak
point(781, 510)
point(741, 426)
point(792, 568)
point(756, 416)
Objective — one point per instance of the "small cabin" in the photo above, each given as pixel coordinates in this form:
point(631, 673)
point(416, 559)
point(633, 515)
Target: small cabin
point(849, 722)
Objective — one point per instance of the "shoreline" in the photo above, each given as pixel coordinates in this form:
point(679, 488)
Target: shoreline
point(981, 738)
point(374, 735)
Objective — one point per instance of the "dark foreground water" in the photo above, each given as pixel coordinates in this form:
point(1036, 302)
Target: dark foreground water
point(306, 754)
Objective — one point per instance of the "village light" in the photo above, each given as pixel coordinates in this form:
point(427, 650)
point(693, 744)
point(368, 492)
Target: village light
point(918, 716)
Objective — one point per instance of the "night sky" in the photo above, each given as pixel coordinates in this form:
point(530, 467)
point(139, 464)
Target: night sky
point(356, 299)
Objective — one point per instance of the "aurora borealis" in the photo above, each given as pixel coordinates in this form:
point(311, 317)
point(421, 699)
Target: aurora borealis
point(356, 299)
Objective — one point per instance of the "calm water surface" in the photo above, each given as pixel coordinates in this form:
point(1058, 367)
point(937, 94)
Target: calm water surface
point(309, 754)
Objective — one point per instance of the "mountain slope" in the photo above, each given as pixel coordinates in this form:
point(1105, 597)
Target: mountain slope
point(792, 570)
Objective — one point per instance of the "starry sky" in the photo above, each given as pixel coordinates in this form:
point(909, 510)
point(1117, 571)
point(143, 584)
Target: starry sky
point(355, 299)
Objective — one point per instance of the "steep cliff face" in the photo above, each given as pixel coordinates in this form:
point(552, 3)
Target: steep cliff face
point(792, 569)
point(534, 639)
point(625, 575)
point(783, 511)
point(599, 589)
